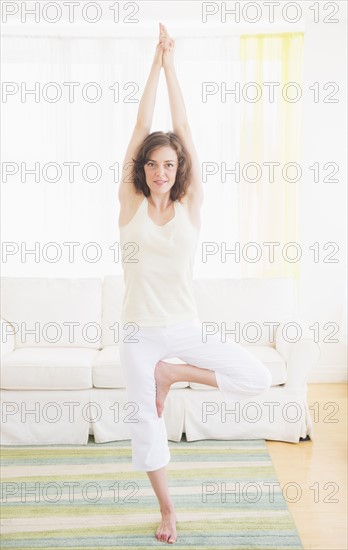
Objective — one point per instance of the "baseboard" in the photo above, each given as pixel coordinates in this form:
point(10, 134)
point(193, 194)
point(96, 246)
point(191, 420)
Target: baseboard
point(333, 374)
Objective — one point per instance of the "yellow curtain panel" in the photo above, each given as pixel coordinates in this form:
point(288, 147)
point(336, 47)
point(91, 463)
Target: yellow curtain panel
point(270, 153)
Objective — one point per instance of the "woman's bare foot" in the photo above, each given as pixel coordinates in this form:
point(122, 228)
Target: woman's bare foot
point(163, 383)
point(166, 532)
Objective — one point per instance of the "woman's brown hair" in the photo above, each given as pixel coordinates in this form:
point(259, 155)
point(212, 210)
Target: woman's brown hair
point(154, 141)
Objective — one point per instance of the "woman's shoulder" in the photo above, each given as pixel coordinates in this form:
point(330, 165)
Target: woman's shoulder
point(192, 209)
point(129, 207)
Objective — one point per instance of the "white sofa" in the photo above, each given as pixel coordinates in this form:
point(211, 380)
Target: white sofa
point(61, 379)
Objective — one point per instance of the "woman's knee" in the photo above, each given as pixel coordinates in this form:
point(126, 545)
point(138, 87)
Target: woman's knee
point(255, 378)
point(263, 378)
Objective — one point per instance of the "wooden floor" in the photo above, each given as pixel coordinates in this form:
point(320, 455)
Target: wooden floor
point(317, 471)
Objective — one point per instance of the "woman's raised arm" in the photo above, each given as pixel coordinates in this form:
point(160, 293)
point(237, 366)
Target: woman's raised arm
point(143, 123)
point(148, 99)
point(179, 118)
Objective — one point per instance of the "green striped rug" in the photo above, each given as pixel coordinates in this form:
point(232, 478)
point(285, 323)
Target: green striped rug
point(226, 496)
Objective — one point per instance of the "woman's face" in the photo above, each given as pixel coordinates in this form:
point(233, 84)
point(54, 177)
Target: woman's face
point(160, 169)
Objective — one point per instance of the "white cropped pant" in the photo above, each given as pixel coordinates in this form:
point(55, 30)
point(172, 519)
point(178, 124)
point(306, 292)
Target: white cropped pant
point(239, 375)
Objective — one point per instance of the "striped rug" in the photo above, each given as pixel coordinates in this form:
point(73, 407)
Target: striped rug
point(226, 496)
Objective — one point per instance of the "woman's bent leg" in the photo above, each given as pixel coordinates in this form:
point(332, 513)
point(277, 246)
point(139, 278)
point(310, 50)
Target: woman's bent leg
point(239, 374)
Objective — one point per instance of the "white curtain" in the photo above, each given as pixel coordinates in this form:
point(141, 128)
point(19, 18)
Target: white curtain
point(272, 132)
point(80, 217)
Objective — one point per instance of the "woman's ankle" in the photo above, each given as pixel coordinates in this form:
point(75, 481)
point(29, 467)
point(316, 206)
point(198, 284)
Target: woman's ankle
point(167, 508)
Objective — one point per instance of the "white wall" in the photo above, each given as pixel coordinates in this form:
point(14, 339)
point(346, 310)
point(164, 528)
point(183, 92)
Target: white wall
point(323, 206)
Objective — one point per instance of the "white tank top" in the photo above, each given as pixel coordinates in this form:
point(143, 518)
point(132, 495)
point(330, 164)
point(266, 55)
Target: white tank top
point(157, 263)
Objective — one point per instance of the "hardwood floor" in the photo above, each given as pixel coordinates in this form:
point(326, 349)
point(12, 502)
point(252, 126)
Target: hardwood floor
point(317, 471)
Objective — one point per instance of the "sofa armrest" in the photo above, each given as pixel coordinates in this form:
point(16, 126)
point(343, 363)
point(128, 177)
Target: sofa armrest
point(300, 356)
point(7, 338)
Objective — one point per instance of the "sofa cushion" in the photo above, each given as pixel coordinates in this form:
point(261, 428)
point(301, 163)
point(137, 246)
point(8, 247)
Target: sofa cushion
point(113, 289)
point(107, 371)
point(54, 312)
point(269, 357)
point(48, 369)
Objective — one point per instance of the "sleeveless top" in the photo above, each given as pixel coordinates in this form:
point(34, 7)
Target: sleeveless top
point(157, 263)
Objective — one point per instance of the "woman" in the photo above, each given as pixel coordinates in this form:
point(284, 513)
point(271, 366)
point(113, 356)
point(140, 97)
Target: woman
point(160, 199)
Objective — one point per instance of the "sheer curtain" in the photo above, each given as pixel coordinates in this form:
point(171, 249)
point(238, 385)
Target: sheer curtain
point(59, 224)
point(63, 220)
point(272, 133)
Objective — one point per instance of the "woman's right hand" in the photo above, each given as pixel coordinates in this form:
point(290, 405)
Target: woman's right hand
point(168, 44)
point(162, 40)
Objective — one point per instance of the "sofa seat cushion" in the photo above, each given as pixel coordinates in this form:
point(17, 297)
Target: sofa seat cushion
point(106, 369)
point(269, 357)
point(108, 373)
point(48, 369)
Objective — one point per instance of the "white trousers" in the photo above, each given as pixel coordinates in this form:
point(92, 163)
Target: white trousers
point(239, 375)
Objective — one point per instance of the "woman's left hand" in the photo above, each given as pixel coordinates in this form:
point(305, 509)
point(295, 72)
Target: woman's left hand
point(168, 45)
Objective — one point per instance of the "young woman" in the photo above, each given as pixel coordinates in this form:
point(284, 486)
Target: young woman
point(160, 198)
